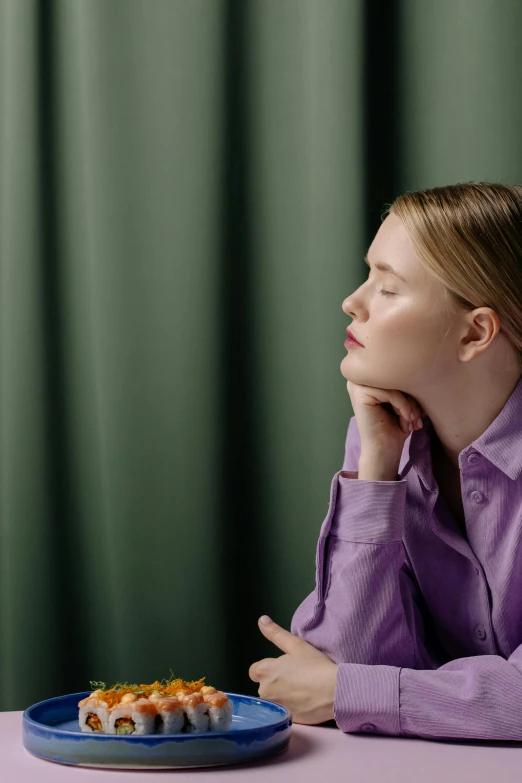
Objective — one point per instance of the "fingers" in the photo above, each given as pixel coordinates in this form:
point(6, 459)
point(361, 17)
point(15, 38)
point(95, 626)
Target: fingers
point(282, 638)
point(404, 405)
point(259, 669)
point(408, 409)
point(252, 673)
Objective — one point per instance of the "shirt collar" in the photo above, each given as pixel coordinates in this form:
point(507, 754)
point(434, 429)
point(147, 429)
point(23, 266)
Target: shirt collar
point(501, 444)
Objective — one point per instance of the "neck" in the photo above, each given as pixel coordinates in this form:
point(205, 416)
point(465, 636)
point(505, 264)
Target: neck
point(461, 415)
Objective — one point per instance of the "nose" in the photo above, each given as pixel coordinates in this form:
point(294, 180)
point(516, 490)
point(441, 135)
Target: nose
point(346, 307)
point(356, 298)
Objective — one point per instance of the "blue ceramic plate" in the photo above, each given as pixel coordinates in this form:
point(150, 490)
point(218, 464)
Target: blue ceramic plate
point(259, 728)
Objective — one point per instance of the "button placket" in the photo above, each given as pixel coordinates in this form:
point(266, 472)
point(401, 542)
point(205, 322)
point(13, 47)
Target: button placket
point(477, 497)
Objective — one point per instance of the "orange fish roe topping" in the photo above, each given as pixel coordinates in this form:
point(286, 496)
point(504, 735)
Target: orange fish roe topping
point(113, 696)
point(174, 686)
point(162, 687)
point(191, 686)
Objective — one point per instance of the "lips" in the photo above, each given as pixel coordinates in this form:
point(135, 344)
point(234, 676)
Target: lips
point(353, 337)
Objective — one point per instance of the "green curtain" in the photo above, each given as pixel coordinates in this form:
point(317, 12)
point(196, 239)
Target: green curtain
point(187, 189)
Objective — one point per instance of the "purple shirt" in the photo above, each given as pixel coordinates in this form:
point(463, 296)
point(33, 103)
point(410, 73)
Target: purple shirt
point(426, 625)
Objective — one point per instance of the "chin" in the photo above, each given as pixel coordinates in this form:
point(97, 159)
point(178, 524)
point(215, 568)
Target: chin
point(359, 376)
point(351, 372)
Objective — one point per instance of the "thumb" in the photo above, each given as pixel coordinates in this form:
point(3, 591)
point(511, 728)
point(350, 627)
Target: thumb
point(285, 640)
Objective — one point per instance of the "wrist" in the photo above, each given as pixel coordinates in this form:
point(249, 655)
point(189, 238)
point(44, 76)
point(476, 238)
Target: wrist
point(328, 710)
point(372, 469)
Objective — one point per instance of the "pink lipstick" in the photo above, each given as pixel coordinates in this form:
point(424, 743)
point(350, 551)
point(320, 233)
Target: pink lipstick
point(351, 342)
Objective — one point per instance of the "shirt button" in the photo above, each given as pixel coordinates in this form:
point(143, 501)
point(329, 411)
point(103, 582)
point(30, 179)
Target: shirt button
point(477, 496)
point(473, 457)
point(480, 632)
point(368, 727)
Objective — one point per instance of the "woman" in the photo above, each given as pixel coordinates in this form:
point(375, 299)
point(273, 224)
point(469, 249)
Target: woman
point(415, 625)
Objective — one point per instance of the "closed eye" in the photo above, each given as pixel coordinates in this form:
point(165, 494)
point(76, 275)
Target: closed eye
point(382, 291)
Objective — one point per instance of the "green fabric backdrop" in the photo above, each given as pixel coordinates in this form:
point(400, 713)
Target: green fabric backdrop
point(187, 189)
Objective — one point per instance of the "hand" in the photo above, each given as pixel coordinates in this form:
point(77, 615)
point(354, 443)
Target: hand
point(302, 680)
point(379, 427)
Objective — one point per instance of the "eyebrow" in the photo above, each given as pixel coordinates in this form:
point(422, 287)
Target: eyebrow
point(384, 267)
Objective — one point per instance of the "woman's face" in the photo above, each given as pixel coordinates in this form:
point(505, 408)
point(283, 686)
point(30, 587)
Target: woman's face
point(401, 323)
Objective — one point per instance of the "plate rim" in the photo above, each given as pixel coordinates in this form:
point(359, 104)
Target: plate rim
point(284, 722)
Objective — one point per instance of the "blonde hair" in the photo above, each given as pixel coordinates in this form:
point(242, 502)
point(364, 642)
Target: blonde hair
point(469, 236)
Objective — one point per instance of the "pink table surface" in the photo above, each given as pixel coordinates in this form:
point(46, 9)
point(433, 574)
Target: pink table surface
point(316, 753)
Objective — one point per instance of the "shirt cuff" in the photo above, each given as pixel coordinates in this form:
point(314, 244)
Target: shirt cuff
point(367, 698)
point(368, 511)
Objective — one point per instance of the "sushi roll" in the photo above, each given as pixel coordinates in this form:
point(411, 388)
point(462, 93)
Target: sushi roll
point(219, 708)
point(132, 715)
point(170, 718)
point(196, 712)
point(94, 713)
point(168, 707)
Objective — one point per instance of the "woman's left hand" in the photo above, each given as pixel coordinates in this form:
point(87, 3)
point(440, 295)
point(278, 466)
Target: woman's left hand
point(302, 680)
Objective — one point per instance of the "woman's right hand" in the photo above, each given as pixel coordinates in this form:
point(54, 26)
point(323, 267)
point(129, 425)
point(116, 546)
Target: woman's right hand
point(383, 418)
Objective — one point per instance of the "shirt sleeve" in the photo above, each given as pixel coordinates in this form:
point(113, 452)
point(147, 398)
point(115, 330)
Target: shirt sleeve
point(468, 698)
point(364, 608)
point(365, 612)
point(368, 615)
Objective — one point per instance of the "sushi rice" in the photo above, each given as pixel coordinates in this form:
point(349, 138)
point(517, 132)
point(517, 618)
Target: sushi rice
point(196, 710)
point(132, 717)
point(94, 714)
point(220, 716)
point(170, 718)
